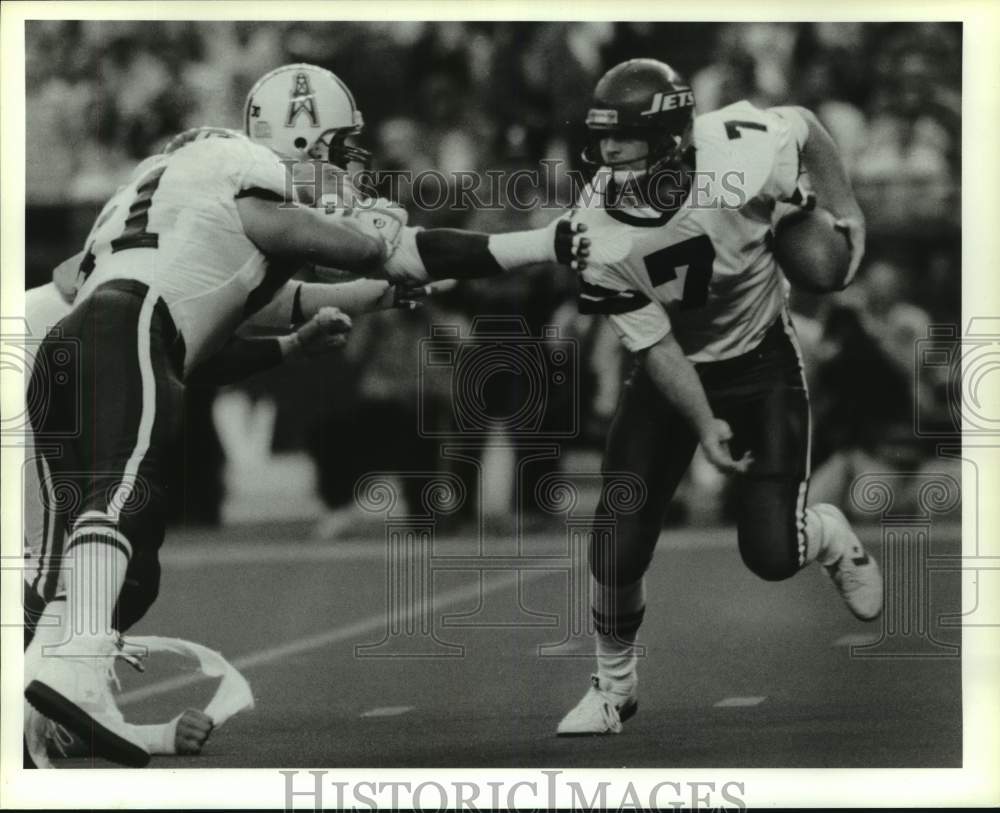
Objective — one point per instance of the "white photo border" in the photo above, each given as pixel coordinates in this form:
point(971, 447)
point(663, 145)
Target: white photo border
point(976, 783)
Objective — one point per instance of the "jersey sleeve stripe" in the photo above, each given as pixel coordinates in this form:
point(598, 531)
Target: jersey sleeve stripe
point(596, 299)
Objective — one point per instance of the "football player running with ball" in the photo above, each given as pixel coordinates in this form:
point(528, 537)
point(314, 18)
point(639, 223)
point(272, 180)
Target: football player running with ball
point(201, 238)
point(701, 303)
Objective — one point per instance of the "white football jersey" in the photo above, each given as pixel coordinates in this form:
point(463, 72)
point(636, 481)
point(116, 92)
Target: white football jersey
point(176, 228)
point(706, 271)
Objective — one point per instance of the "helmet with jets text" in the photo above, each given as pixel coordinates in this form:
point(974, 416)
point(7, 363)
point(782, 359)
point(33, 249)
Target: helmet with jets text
point(642, 99)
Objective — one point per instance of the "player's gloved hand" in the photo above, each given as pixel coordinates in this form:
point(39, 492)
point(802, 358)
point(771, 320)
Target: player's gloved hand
point(572, 248)
point(193, 729)
point(854, 227)
point(714, 440)
point(326, 331)
point(411, 297)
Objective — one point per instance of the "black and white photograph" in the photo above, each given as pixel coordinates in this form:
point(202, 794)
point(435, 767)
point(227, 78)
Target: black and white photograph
point(447, 407)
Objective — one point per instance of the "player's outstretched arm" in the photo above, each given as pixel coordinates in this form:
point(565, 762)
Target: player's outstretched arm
point(677, 379)
point(310, 235)
point(297, 302)
point(362, 296)
point(821, 159)
point(436, 254)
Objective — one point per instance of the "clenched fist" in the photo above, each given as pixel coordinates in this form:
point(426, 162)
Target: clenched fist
point(326, 331)
point(192, 731)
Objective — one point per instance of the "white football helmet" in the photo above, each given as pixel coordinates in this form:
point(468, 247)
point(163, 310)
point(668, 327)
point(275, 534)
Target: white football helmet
point(304, 112)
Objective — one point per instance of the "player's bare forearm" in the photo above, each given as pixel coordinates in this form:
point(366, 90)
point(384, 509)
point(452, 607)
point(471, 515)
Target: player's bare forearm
point(821, 159)
point(676, 378)
point(362, 296)
point(353, 298)
point(297, 302)
point(310, 235)
point(278, 314)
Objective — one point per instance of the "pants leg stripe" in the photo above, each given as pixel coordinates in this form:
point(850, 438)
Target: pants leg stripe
point(800, 503)
point(48, 520)
point(148, 416)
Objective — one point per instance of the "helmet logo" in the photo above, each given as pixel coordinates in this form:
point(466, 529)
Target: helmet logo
point(302, 101)
point(669, 101)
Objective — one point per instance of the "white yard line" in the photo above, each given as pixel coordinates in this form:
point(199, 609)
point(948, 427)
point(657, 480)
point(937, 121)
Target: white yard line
point(736, 702)
point(856, 639)
point(387, 711)
point(372, 623)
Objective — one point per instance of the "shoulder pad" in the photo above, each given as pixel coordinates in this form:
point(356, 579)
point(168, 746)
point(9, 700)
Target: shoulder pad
point(199, 134)
point(735, 142)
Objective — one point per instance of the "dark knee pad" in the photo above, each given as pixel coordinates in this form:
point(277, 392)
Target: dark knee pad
point(623, 556)
point(771, 559)
point(770, 525)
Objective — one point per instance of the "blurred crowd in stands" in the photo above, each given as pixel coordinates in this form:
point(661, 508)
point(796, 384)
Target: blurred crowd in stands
point(455, 96)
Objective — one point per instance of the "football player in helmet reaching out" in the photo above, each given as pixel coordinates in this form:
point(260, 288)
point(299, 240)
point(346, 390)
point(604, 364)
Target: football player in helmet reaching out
point(201, 238)
point(307, 115)
point(700, 302)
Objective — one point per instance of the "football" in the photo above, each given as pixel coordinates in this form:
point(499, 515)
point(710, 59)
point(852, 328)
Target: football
point(813, 254)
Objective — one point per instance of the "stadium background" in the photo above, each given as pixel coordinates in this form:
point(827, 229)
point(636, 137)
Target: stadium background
point(488, 96)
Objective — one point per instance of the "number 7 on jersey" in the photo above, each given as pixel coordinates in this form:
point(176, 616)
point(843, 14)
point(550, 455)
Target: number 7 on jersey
point(698, 254)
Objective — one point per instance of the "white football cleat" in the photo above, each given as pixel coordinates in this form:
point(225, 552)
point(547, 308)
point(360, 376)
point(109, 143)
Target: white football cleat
point(602, 710)
point(855, 574)
point(75, 691)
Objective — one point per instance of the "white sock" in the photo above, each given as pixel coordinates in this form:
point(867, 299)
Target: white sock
point(823, 543)
point(616, 659)
point(159, 738)
point(96, 563)
point(618, 612)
